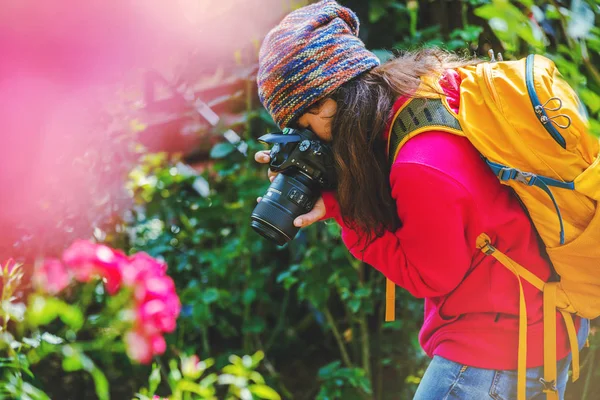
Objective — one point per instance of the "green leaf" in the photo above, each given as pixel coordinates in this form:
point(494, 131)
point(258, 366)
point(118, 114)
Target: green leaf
point(487, 11)
point(71, 315)
point(33, 392)
point(591, 99)
point(329, 369)
point(249, 296)
point(595, 127)
point(101, 384)
point(210, 295)
point(256, 377)
point(287, 278)
point(209, 380)
point(510, 24)
point(42, 311)
point(526, 3)
point(257, 358)
point(383, 55)
point(456, 44)
point(581, 20)
point(192, 387)
point(339, 252)
point(221, 150)
point(77, 360)
point(354, 305)
point(254, 325)
point(264, 392)
point(375, 13)
point(72, 363)
point(154, 379)
point(470, 33)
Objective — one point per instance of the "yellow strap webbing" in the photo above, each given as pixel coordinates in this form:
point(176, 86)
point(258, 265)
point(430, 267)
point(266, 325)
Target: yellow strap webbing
point(390, 300)
point(572, 333)
point(483, 243)
point(549, 290)
point(550, 341)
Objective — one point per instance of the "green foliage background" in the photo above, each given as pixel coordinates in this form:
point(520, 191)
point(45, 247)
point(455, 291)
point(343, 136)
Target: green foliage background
point(316, 312)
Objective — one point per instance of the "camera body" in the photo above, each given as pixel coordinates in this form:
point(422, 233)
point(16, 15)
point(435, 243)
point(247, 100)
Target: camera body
point(306, 167)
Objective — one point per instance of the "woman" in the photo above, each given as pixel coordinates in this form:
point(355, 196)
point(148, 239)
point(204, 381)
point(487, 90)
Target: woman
point(417, 220)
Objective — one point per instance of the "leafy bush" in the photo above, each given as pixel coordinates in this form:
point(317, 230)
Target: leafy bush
point(312, 311)
point(187, 381)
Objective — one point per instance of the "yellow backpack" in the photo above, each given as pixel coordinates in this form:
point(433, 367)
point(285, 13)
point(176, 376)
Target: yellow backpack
point(531, 129)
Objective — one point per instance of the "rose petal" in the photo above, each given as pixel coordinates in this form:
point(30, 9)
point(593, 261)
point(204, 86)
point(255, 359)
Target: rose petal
point(158, 345)
point(52, 276)
point(138, 347)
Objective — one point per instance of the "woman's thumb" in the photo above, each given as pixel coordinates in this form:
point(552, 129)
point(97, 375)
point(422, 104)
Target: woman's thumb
point(312, 216)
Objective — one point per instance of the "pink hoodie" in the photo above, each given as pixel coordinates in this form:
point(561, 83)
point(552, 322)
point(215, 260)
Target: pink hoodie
point(446, 196)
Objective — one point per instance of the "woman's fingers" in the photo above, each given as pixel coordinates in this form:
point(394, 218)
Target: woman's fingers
point(312, 216)
point(262, 156)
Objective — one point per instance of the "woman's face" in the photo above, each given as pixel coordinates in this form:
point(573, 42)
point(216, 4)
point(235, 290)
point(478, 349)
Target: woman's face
point(318, 118)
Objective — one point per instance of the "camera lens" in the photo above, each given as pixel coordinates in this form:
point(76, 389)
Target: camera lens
point(286, 198)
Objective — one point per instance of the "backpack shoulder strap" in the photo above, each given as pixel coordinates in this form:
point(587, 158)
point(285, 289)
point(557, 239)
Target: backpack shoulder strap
point(420, 115)
point(413, 117)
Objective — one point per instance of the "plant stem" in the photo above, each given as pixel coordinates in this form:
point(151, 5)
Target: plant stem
point(364, 330)
point(338, 338)
point(273, 372)
point(592, 69)
point(205, 343)
point(365, 342)
point(280, 321)
point(378, 363)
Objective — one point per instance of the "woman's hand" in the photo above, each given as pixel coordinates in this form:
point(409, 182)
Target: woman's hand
point(314, 215)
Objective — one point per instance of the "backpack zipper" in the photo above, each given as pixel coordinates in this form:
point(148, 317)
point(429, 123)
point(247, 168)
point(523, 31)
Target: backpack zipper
point(538, 108)
point(489, 83)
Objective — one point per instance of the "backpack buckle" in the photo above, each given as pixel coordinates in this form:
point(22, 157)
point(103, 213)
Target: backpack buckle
point(484, 244)
point(526, 178)
point(549, 386)
point(506, 173)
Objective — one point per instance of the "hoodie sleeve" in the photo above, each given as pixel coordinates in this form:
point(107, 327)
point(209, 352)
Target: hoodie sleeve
point(432, 251)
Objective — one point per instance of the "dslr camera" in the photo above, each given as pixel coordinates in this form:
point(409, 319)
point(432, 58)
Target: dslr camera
point(306, 167)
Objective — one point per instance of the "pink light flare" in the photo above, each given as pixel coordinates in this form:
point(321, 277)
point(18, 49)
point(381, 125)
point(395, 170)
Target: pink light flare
point(63, 62)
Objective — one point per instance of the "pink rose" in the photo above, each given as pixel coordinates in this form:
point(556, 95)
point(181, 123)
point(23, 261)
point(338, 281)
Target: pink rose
point(158, 344)
point(154, 287)
point(163, 289)
point(138, 347)
point(155, 315)
point(112, 277)
point(87, 259)
point(155, 300)
point(142, 347)
point(141, 265)
point(52, 276)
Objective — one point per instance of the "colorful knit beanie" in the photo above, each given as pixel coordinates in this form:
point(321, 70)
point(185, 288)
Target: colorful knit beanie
point(312, 52)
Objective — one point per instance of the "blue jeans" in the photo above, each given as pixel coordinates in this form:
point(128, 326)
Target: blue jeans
point(445, 379)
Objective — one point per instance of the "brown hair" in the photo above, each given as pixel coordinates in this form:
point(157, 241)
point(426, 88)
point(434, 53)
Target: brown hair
point(363, 110)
